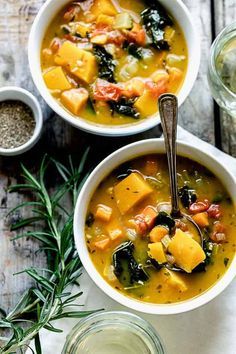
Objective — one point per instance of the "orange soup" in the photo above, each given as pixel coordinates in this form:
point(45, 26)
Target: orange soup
point(140, 250)
point(108, 61)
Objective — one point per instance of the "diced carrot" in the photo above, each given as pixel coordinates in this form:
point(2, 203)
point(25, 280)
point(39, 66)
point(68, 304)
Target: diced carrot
point(157, 233)
point(102, 244)
point(103, 212)
point(151, 167)
point(145, 220)
point(201, 219)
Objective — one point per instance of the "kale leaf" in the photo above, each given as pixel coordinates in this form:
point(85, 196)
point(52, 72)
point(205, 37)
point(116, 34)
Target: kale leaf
point(124, 106)
point(155, 19)
point(166, 220)
point(134, 50)
point(106, 64)
point(124, 254)
point(187, 196)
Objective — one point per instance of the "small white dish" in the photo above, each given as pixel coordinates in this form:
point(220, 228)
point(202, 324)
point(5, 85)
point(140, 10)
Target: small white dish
point(140, 148)
point(12, 93)
point(46, 14)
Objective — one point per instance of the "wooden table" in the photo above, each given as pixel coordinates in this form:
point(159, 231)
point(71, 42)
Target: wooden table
point(198, 114)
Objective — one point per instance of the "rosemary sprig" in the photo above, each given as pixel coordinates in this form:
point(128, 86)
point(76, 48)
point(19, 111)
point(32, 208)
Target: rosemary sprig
point(50, 298)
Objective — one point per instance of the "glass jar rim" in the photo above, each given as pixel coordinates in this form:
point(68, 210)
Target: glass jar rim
point(138, 323)
point(228, 29)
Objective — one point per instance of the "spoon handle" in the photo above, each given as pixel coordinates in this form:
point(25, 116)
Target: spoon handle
point(168, 108)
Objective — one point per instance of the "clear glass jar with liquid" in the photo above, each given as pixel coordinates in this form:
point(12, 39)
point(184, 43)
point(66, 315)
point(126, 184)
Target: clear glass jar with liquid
point(113, 333)
point(222, 69)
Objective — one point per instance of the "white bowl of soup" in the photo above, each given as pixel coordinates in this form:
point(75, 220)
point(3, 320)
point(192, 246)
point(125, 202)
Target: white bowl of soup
point(102, 64)
point(135, 251)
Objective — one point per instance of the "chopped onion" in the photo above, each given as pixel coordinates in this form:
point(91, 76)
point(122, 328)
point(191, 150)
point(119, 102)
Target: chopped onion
point(131, 234)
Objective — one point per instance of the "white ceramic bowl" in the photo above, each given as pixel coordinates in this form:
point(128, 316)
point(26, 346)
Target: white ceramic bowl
point(41, 23)
point(105, 168)
point(17, 93)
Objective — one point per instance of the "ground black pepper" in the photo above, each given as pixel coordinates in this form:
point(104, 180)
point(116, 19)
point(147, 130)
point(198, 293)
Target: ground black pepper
point(17, 124)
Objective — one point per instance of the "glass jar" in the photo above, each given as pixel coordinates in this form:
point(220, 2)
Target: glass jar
point(222, 69)
point(113, 333)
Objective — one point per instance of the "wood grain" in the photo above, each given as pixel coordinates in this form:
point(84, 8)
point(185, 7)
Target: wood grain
point(197, 112)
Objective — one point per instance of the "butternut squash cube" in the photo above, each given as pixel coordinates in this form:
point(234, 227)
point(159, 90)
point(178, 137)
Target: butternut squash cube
point(156, 251)
point(105, 20)
point(187, 252)
point(145, 104)
point(129, 192)
point(201, 219)
point(174, 280)
point(79, 62)
point(55, 79)
point(104, 7)
point(157, 233)
point(75, 99)
point(103, 213)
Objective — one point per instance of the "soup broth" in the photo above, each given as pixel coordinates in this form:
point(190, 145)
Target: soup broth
point(137, 247)
point(103, 61)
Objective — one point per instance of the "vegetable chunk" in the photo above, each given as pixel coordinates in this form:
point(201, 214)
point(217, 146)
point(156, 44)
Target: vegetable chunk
point(174, 280)
point(75, 99)
point(156, 251)
point(145, 104)
point(201, 219)
point(103, 212)
point(104, 7)
point(130, 192)
point(79, 62)
point(187, 252)
point(55, 79)
point(157, 233)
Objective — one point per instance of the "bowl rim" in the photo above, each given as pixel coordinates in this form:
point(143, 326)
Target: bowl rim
point(104, 130)
point(33, 103)
point(81, 210)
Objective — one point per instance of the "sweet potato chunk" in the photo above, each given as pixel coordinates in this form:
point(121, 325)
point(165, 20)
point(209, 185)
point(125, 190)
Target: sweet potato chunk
point(104, 7)
point(187, 252)
point(174, 280)
point(129, 192)
point(156, 251)
point(55, 79)
point(103, 213)
point(145, 104)
point(75, 99)
point(201, 219)
point(157, 233)
point(79, 62)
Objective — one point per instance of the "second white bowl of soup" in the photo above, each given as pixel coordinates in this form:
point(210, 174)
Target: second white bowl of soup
point(130, 246)
point(102, 64)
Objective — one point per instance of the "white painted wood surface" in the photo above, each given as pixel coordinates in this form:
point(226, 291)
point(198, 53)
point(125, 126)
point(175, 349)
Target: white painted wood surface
point(197, 115)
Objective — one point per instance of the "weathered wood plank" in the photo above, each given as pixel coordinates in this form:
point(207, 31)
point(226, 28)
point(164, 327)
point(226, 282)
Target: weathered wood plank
point(225, 13)
point(197, 112)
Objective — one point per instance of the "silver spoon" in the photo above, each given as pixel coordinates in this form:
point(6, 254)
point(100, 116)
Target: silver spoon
point(168, 108)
